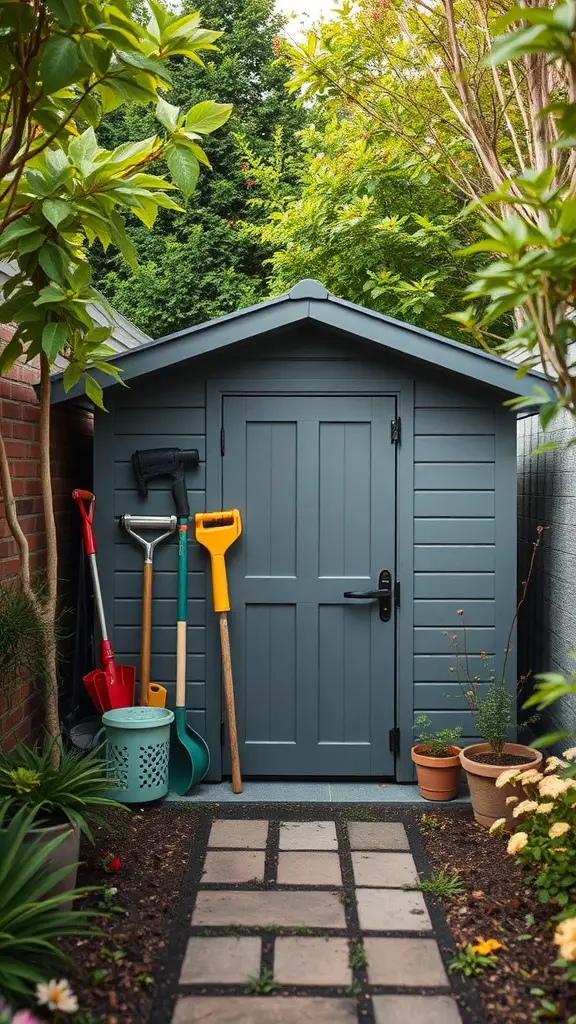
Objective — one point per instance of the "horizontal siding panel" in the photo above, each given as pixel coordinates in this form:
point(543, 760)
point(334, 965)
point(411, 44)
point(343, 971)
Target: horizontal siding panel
point(195, 695)
point(454, 476)
point(124, 478)
point(445, 613)
point(128, 611)
point(436, 667)
point(454, 531)
point(454, 503)
point(454, 448)
point(441, 696)
point(165, 584)
point(157, 419)
point(127, 638)
point(454, 421)
point(163, 666)
point(197, 719)
point(451, 720)
point(177, 388)
point(158, 503)
point(454, 557)
point(126, 444)
point(438, 396)
point(457, 585)
point(131, 558)
point(430, 640)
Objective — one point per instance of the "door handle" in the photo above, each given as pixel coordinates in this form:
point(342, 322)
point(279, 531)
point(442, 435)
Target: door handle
point(383, 595)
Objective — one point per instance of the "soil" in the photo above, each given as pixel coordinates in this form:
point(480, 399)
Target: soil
point(498, 904)
point(154, 850)
point(504, 760)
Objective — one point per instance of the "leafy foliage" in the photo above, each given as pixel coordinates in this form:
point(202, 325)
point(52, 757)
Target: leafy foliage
point(22, 640)
point(31, 916)
point(436, 744)
point(471, 963)
point(443, 885)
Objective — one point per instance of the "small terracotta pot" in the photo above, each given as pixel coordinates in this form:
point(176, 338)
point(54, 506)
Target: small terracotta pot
point(438, 777)
point(488, 802)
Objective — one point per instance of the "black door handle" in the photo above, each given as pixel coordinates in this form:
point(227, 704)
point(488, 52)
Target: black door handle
point(383, 595)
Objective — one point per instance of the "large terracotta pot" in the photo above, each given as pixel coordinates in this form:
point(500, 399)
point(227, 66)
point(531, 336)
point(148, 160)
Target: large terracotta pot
point(488, 802)
point(438, 777)
point(64, 855)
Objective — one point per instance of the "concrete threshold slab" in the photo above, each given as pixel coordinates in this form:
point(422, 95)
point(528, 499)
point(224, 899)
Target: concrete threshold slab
point(311, 792)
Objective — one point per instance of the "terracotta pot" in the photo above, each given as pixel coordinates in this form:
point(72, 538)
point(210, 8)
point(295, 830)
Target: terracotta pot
point(488, 802)
point(63, 855)
point(438, 777)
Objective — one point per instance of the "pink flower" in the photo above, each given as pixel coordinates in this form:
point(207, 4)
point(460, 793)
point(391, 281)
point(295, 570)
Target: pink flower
point(249, 183)
point(25, 1017)
point(245, 167)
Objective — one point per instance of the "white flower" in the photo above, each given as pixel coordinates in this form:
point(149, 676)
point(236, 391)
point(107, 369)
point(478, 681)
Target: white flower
point(570, 754)
point(57, 995)
point(565, 937)
point(112, 890)
point(529, 776)
point(511, 800)
point(559, 828)
point(553, 786)
point(553, 763)
point(505, 777)
point(524, 807)
point(497, 825)
point(544, 808)
point(517, 842)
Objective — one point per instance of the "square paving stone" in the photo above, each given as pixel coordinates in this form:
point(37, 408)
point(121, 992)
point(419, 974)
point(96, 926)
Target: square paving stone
point(392, 910)
point(308, 835)
point(377, 835)
point(416, 1009)
point(312, 909)
point(221, 960)
point(404, 962)
point(311, 961)
point(239, 834)
point(296, 867)
point(233, 866)
point(264, 1010)
point(385, 870)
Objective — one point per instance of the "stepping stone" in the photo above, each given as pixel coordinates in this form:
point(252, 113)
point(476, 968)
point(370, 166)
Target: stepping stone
point(239, 834)
point(377, 835)
point(407, 963)
point(265, 1010)
point(311, 961)
point(312, 909)
point(391, 910)
point(416, 1009)
point(308, 835)
point(233, 866)
point(297, 867)
point(386, 870)
point(221, 960)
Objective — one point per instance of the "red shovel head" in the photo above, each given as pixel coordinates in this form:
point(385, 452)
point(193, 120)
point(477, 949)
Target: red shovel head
point(96, 689)
point(112, 687)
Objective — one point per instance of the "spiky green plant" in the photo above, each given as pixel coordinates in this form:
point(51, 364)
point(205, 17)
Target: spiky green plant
point(443, 884)
point(72, 792)
point(32, 917)
point(22, 640)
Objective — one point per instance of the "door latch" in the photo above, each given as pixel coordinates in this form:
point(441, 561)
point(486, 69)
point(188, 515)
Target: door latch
point(383, 595)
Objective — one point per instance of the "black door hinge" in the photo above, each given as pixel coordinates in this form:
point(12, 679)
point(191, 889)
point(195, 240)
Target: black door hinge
point(397, 594)
point(222, 441)
point(395, 427)
point(222, 734)
point(395, 740)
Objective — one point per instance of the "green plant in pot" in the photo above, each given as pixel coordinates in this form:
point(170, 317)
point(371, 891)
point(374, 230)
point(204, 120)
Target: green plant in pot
point(437, 761)
point(66, 799)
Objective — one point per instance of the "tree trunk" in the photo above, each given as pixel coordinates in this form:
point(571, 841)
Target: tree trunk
point(52, 720)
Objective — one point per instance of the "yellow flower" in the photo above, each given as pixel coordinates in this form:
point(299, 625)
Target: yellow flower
point(517, 842)
point(565, 937)
point(553, 786)
point(529, 776)
point(544, 808)
point(559, 828)
point(570, 754)
point(505, 777)
point(486, 946)
point(57, 995)
point(497, 825)
point(553, 763)
point(511, 800)
point(524, 807)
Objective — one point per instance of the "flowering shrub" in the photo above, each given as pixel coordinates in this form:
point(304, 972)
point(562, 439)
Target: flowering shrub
point(545, 842)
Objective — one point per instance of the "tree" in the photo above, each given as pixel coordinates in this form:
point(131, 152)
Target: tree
point(62, 64)
point(247, 73)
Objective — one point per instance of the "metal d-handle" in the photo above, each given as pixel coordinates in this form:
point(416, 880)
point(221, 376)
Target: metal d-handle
point(383, 595)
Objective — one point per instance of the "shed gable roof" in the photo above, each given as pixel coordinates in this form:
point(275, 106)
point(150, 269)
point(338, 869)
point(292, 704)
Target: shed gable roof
point(310, 301)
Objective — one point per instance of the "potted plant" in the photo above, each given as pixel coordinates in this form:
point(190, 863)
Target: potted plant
point(437, 760)
point(65, 799)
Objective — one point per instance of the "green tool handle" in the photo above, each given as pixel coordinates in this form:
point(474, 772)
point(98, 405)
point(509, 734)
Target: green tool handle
point(181, 623)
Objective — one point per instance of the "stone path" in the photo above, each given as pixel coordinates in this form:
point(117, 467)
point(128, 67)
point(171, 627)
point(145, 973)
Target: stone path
point(317, 912)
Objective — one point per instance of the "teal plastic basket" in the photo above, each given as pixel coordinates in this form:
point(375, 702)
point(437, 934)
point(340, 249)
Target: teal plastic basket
point(138, 752)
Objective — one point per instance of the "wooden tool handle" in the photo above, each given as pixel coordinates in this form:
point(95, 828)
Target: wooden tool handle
point(146, 633)
point(229, 702)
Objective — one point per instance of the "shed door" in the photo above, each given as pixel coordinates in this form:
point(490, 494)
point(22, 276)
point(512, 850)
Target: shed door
point(314, 479)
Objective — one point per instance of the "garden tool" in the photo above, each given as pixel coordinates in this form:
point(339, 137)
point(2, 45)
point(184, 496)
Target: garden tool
point(112, 686)
point(150, 693)
point(189, 753)
point(217, 531)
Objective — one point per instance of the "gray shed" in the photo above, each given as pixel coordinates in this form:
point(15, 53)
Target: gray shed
point(352, 444)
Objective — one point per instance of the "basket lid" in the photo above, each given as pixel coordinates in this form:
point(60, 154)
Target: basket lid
point(138, 717)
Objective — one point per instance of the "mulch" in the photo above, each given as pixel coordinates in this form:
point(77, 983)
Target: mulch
point(498, 904)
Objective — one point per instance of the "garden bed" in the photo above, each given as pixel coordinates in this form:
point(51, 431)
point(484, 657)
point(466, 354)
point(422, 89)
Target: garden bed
point(498, 904)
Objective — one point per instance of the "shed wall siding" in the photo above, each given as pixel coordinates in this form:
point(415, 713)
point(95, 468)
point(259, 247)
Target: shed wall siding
point(458, 537)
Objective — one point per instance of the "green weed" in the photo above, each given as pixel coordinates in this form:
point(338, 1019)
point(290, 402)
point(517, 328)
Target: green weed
point(357, 958)
point(442, 885)
point(263, 985)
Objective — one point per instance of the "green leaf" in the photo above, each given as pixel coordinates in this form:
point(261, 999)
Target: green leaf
point(66, 12)
point(53, 261)
point(56, 211)
point(81, 277)
point(52, 293)
point(167, 114)
point(31, 242)
point(54, 337)
point(72, 375)
point(97, 335)
point(206, 117)
point(94, 392)
point(83, 149)
point(17, 229)
point(60, 63)
point(9, 355)
point(567, 222)
point(184, 168)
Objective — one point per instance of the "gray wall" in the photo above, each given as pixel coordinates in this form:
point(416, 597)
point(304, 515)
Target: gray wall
point(456, 468)
point(547, 497)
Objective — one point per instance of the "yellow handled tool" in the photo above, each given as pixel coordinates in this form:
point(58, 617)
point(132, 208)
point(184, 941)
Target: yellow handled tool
point(217, 531)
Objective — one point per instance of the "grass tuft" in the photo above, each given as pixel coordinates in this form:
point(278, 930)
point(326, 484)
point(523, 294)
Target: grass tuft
point(442, 885)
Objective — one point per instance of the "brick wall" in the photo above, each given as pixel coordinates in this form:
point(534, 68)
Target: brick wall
point(71, 467)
